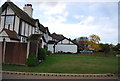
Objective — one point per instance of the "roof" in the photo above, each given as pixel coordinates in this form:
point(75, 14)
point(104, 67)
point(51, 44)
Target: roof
point(57, 36)
point(12, 34)
point(43, 39)
point(19, 12)
point(69, 40)
point(42, 28)
point(35, 36)
point(51, 42)
point(47, 29)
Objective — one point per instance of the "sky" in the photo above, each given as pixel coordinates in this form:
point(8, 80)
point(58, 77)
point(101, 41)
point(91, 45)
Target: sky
point(77, 18)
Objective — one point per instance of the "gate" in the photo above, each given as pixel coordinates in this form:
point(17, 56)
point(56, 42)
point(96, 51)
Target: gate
point(15, 53)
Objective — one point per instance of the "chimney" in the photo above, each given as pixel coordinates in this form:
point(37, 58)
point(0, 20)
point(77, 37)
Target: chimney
point(8, 1)
point(28, 9)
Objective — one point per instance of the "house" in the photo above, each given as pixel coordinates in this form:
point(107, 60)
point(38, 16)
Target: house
point(25, 34)
point(65, 45)
point(82, 42)
point(59, 43)
point(19, 30)
point(18, 21)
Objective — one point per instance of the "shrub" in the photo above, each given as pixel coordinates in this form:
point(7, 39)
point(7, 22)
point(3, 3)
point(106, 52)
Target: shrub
point(32, 60)
point(48, 53)
point(41, 54)
point(45, 47)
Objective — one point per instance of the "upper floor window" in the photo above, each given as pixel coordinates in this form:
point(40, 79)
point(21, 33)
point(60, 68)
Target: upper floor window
point(36, 30)
point(9, 19)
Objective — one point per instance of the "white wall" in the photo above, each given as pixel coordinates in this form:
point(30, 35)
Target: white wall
point(17, 20)
point(10, 11)
point(50, 47)
point(66, 48)
point(2, 23)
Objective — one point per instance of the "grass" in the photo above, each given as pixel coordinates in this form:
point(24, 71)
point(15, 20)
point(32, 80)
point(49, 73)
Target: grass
point(68, 63)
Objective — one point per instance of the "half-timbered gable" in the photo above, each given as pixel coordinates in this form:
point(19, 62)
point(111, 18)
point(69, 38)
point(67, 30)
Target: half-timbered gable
point(15, 19)
point(65, 45)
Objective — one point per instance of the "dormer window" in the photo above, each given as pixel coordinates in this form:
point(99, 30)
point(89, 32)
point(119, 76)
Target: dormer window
point(9, 19)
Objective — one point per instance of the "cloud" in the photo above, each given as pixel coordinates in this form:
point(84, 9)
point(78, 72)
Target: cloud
point(97, 18)
point(55, 12)
point(88, 20)
point(70, 0)
point(52, 8)
point(76, 30)
point(78, 16)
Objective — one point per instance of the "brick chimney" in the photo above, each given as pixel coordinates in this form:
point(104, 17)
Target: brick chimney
point(28, 9)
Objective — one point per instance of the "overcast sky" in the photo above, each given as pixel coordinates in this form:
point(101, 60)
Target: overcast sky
point(77, 18)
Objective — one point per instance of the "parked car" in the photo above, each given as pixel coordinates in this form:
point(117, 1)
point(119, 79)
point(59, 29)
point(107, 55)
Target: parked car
point(87, 51)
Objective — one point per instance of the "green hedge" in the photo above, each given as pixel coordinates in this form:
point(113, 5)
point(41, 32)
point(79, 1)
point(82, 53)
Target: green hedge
point(32, 60)
point(41, 54)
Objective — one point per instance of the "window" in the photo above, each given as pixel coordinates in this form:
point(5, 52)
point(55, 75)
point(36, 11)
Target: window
point(36, 30)
point(9, 19)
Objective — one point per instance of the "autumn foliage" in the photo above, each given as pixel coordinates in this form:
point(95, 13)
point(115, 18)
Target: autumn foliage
point(94, 42)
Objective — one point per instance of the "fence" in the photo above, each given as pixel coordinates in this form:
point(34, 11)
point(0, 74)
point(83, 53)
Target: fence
point(14, 52)
point(1, 52)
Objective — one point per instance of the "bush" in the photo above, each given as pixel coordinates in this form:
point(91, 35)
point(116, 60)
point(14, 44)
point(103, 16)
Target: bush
point(32, 60)
point(48, 53)
point(41, 54)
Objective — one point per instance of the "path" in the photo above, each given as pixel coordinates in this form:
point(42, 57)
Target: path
point(27, 75)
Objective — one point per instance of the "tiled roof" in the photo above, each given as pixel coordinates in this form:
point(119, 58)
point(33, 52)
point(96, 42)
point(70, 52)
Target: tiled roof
point(47, 29)
point(19, 12)
point(57, 36)
point(35, 37)
point(51, 42)
point(69, 40)
point(12, 34)
point(42, 28)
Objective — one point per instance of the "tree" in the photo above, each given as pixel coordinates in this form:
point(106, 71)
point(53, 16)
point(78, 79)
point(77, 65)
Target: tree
point(94, 38)
point(94, 42)
point(105, 48)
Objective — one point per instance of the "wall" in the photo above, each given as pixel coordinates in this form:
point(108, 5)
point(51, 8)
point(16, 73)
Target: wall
point(66, 48)
point(50, 47)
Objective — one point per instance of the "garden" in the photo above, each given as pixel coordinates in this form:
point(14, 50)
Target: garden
point(71, 63)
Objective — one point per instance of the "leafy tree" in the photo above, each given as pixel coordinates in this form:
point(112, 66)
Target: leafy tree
point(94, 38)
point(94, 42)
point(105, 47)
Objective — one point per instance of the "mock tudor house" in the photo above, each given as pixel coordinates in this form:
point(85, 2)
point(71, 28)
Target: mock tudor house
point(59, 43)
point(66, 45)
point(13, 19)
point(26, 34)
point(18, 26)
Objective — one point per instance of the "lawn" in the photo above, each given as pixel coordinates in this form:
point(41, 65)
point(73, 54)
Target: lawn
point(68, 63)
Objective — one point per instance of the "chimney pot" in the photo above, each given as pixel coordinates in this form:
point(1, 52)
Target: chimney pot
point(28, 9)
